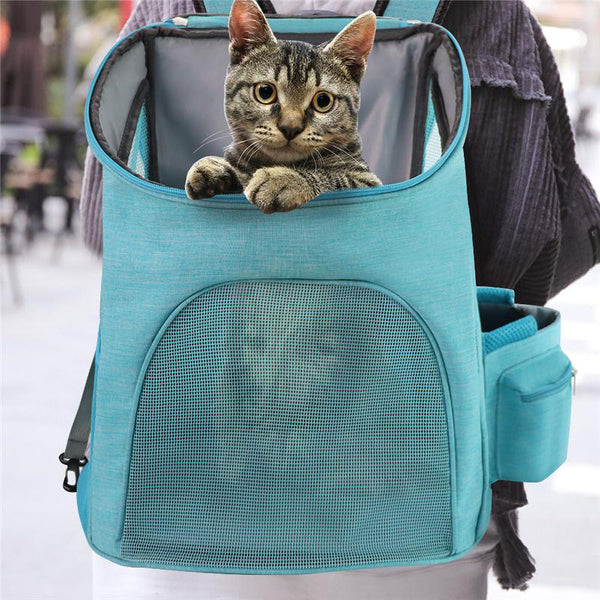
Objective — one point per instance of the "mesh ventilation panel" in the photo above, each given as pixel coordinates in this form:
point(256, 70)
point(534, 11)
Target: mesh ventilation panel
point(509, 333)
point(139, 155)
point(433, 149)
point(433, 142)
point(287, 426)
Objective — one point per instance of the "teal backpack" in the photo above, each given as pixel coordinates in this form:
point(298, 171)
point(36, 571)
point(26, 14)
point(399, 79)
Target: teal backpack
point(319, 390)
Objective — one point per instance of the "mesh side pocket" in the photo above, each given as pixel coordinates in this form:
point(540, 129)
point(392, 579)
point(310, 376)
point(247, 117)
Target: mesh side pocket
point(139, 155)
point(288, 426)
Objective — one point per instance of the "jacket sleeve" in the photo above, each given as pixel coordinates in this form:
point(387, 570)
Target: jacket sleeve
point(578, 203)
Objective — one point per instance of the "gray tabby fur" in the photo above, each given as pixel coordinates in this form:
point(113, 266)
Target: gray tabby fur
point(277, 174)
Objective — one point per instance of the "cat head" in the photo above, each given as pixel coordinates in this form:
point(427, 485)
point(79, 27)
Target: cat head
point(291, 99)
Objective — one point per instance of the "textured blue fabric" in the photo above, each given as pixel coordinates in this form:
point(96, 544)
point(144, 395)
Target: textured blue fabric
point(416, 10)
point(83, 496)
point(217, 6)
point(377, 235)
point(294, 25)
point(495, 295)
point(148, 271)
point(419, 10)
point(534, 408)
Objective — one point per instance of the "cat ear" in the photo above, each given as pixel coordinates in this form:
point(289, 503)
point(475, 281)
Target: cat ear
point(248, 29)
point(353, 44)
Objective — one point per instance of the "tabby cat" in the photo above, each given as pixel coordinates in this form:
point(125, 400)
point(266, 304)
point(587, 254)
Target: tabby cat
point(292, 110)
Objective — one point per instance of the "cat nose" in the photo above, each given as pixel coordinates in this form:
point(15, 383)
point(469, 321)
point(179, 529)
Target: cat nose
point(290, 131)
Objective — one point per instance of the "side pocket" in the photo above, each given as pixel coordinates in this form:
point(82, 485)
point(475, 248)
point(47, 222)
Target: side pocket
point(534, 409)
point(527, 387)
point(291, 426)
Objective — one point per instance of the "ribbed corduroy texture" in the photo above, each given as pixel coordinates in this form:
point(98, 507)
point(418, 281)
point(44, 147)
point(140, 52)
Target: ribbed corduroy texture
point(531, 206)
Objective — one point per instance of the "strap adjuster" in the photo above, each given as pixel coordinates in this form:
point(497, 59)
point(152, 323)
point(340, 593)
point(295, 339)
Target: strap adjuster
point(74, 466)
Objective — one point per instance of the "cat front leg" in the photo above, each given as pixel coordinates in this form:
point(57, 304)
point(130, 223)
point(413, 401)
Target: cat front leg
point(209, 176)
point(279, 189)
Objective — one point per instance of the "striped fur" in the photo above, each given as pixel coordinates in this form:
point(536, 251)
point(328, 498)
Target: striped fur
point(278, 172)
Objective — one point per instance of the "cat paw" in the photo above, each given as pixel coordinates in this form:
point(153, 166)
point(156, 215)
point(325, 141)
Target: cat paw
point(278, 189)
point(209, 176)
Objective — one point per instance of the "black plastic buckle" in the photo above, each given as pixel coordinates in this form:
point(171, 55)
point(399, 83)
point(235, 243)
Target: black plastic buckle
point(74, 465)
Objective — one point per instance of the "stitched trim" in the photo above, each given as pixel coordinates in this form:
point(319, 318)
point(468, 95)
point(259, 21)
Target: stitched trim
point(149, 47)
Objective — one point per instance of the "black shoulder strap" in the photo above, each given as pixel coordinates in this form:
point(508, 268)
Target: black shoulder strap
point(380, 6)
point(74, 456)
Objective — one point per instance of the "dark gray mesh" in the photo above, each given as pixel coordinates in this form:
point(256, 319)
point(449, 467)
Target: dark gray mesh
point(290, 426)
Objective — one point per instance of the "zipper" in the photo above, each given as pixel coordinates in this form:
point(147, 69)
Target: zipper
point(552, 388)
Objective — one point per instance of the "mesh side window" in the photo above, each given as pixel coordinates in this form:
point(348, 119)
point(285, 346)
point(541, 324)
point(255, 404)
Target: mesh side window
point(139, 156)
point(433, 141)
point(290, 426)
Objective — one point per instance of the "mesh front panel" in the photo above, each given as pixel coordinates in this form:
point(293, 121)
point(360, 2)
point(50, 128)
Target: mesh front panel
point(290, 426)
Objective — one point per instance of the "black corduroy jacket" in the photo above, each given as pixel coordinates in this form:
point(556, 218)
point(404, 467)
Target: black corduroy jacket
point(535, 216)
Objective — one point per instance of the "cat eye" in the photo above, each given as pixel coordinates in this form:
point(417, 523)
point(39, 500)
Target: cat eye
point(265, 92)
point(322, 102)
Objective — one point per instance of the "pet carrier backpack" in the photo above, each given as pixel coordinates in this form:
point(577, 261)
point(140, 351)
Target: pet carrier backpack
point(317, 390)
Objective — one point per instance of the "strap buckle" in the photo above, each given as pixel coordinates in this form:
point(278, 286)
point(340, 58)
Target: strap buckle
point(74, 466)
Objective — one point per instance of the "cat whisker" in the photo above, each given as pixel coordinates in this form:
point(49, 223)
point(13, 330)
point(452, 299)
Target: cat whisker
point(247, 149)
point(215, 134)
point(257, 147)
point(321, 159)
point(213, 137)
point(254, 144)
point(347, 154)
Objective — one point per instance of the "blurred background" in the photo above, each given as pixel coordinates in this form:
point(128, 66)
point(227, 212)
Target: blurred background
point(50, 294)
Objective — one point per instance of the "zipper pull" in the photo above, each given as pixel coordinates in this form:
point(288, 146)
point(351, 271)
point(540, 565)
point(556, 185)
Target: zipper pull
point(574, 381)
